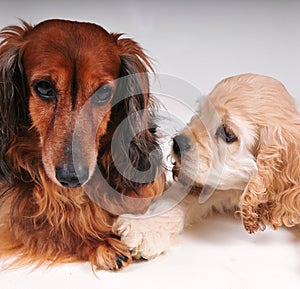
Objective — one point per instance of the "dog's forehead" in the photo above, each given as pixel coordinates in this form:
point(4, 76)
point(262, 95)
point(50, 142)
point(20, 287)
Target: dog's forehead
point(63, 30)
point(65, 44)
point(208, 113)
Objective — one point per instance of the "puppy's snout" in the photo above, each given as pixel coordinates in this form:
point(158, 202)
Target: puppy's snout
point(71, 178)
point(180, 144)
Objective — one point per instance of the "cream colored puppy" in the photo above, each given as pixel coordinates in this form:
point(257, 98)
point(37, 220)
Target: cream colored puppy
point(239, 153)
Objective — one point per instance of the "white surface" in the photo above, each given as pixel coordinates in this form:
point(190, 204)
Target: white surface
point(217, 254)
point(200, 42)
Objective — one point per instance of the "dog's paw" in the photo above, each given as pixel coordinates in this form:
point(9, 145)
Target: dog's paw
point(145, 238)
point(111, 255)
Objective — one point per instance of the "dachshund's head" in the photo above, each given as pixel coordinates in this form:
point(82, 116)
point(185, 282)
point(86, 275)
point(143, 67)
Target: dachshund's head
point(68, 85)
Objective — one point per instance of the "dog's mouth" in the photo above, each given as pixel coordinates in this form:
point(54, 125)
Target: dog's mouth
point(203, 191)
point(175, 171)
point(180, 176)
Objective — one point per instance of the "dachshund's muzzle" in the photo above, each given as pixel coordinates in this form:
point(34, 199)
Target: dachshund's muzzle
point(71, 178)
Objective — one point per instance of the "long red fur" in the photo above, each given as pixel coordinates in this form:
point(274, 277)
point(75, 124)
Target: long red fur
point(42, 221)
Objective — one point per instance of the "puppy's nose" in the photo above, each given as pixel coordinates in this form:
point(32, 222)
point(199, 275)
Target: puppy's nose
point(71, 178)
point(180, 144)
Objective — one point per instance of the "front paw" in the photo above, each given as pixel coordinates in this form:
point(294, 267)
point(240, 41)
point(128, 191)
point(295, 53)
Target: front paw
point(111, 255)
point(145, 239)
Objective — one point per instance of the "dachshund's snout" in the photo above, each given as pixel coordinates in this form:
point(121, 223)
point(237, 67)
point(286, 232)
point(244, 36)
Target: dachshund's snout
point(180, 145)
point(71, 178)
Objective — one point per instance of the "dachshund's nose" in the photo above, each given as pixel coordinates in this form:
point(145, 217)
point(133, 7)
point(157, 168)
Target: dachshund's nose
point(71, 178)
point(180, 144)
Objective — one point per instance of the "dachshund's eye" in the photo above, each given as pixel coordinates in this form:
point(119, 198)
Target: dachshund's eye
point(226, 134)
point(45, 90)
point(102, 95)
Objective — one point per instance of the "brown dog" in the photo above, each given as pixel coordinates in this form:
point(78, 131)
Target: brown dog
point(60, 100)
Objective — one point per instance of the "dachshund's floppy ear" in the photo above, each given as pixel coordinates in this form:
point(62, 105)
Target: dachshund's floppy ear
point(13, 102)
point(135, 65)
point(134, 109)
point(135, 159)
point(273, 193)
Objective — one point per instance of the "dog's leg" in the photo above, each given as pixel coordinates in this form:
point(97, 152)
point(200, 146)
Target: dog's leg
point(112, 254)
point(148, 237)
point(151, 234)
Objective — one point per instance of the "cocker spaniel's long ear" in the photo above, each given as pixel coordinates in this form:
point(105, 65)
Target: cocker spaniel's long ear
point(273, 193)
point(135, 159)
point(13, 102)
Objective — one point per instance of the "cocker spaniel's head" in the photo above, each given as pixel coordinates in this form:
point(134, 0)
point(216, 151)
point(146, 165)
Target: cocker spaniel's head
point(246, 136)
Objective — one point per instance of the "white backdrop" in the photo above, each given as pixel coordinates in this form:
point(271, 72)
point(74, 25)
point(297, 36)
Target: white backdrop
point(200, 42)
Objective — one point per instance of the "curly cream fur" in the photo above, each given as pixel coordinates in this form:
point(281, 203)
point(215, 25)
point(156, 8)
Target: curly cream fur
point(258, 175)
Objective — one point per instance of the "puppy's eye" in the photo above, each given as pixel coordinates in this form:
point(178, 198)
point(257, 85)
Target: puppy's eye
point(226, 134)
point(102, 95)
point(45, 90)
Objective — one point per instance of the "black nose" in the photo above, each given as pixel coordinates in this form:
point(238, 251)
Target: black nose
point(71, 178)
point(180, 144)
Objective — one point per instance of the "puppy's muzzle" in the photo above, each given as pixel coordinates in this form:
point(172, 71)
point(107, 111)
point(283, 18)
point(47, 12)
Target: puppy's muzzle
point(180, 145)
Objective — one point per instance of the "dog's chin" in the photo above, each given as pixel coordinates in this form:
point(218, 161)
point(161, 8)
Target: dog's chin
point(204, 192)
point(180, 176)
